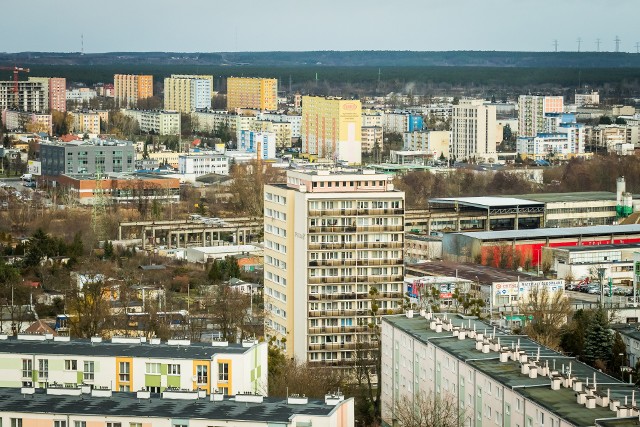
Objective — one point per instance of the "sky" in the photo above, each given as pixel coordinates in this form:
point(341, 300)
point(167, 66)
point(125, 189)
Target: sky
point(299, 25)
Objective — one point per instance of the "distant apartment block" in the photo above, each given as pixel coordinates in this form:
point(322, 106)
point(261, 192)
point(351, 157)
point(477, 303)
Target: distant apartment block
point(587, 99)
point(85, 122)
point(281, 130)
point(86, 157)
point(532, 110)
point(203, 164)
point(400, 122)
point(331, 239)
point(209, 121)
point(261, 143)
point(295, 120)
point(158, 122)
point(249, 92)
point(372, 118)
point(80, 95)
point(186, 93)
point(326, 122)
point(473, 130)
point(55, 89)
point(372, 137)
point(130, 88)
point(432, 142)
point(19, 120)
point(32, 96)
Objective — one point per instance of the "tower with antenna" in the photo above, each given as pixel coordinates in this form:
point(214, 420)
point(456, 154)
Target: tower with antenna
point(579, 43)
point(555, 45)
point(637, 47)
point(617, 40)
point(81, 43)
point(597, 45)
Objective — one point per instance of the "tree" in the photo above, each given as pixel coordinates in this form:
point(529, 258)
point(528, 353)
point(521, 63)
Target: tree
point(598, 340)
point(230, 310)
point(429, 411)
point(547, 313)
point(618, 356)
point(605, 120)
point(89, 309)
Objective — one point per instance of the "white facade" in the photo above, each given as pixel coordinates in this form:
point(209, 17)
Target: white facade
point(473, 130)
point(209, 121)
point(583, 99)
point(261, 143)
point(203, 164)
point(204, 254)
point(431, 141)
point(200, 94)
point(81, 95)
point(295, 120)
point(160, 122)
point(532, 110)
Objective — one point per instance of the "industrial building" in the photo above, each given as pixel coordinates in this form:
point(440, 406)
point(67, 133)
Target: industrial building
point(86, 157)
point(133, 363)
point(494, 378)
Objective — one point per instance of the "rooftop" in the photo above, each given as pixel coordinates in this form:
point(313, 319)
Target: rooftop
point(474, 272)
point(542, 233)
point(561, 402)
point(582, 196)
point(198, 351)
point(485, 202)
point(126, 404)
point(589, 248)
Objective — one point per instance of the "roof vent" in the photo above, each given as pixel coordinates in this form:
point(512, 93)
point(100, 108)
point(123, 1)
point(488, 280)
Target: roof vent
point(101, 392)
point(143, 394)
point(125, 340)
point(249, 397)
point(179, 394)
point(4, 336)
point(61, 339)
point(63, 390)
point(30, 337)
point(249, 342)
point(297, 399)
point(333, 399)
point(28, 390)
point(216, 396)
point(409, 314)
point(96, 339)
point(219, 343)
point(154, 341)
point(179, 342)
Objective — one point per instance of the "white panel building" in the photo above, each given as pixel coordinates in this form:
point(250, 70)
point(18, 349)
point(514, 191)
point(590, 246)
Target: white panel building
point(203, 164)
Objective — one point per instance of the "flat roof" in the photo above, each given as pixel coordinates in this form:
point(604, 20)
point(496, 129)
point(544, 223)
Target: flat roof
point(197, 351)
point(474, 272)
point(128, 405)
point(486, 202)
point(561, 402)
point(539, 233)
point(582, 196)
point(589, 248)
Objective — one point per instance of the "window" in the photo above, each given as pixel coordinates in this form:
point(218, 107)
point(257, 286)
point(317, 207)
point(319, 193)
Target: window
point(153, 389)
point(174, 370)
point(224, 390)
point(153, 368)
point(27, 367)
point(124, 372)
point(114, 424)
point(223, 372)
point(43, 368)
point(59, 423)
point(135, 424)
point(79, 424)
point(16, 422)
point(202, 374)
point(70, 365)
point(89, 371)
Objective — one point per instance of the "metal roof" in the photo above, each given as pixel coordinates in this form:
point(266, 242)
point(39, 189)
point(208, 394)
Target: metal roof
point(124, 404)
point(486, 202)
point(541, 233)
point(197, 351)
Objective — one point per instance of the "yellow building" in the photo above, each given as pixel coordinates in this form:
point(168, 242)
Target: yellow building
point(187, 92)
point(85, 122)
point(129, 89)
point(251, 92)
point(282, 130)
point(328, 121)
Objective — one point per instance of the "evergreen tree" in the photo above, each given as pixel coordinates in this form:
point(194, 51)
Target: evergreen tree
point(618, 355)
point(598, 340)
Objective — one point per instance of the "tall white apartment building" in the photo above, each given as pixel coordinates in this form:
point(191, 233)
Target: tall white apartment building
point(200, 94)
point(492, 378)
point(473, 130)
point(185, 93)
point(532, 110)
point(330, 239)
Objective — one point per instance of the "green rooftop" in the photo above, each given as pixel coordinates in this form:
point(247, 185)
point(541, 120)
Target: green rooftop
point(562, 402)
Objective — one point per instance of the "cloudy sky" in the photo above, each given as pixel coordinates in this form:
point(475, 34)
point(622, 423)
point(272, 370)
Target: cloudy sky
point(293, 25)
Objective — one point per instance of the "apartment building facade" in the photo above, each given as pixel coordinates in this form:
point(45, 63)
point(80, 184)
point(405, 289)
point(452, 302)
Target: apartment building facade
point(532, 110)
point(281, 129)
point(86, 158)
point(250, 92)
point(187, 92)
point(130, 88)
point(330, 239)
point(32, 96)
point(203, 164)
point(85, 122)
point(55, 89)
point(372, 137)
point(159, 122)
point(473, 130)
point(261, 143)
point(431, 141)
point(492, 378)
point(131, 364)
point(294, 119)
point(326, 122)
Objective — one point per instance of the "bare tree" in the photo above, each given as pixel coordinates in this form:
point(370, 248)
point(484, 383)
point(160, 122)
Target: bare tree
point(547, 313)
point(429, 411)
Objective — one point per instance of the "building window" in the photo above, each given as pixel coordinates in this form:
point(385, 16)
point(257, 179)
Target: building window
point(43, 368)
point(202, 375)
point(59, 423)
point(153, 368)
point(114, 424)
point(70, 365)
point(27, 368)
point(223, 372)
point(124, 372)
point(153, 389)
point(174, 370)
point(16, 422)
point(79, 424)
point(89, 371)
point(135, 424)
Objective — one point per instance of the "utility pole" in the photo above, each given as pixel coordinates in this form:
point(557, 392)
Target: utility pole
point(617, 40)
point(579, 43)
point(555, 45)
point(597, 45)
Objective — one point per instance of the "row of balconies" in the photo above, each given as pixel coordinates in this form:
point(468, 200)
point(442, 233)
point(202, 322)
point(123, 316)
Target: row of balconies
point(354, 245)
point(333, 346)
point(359, 262)
point(352, 296)
point(355, 211)
point(338, 329)
point(353, 228)
point(356, 279)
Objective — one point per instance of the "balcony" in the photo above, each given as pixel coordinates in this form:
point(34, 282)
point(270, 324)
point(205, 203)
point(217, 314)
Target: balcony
point(335, 245)
point(378, 245)
point(332, 262)
point(333, 346)
point(332, 229)
point(333, 313)
point(332, 329)
point(378, 228)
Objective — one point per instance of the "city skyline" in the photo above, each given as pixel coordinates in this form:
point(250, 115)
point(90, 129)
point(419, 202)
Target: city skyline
point(287, 25)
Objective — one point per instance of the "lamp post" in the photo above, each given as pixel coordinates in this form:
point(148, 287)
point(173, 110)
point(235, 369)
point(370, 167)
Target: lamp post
point(601, 271)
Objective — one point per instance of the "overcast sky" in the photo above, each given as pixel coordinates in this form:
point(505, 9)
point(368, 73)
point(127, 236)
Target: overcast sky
point(294, 25)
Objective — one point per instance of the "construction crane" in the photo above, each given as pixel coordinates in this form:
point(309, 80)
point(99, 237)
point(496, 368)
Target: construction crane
point(16, 71)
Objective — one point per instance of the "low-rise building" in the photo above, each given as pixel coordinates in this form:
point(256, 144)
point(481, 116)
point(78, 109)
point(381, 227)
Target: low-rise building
point(205, 254)
point(261, 143)
point(434, 142)
point(294, 119)
point(87, 157)
point(21, 120)
point(203, 164)
point(80, 95)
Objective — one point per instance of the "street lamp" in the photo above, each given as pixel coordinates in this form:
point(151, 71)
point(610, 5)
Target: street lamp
point(601, 272)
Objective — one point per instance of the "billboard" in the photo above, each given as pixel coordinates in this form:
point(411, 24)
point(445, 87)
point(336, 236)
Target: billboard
point(522, 288)
point(33, 167)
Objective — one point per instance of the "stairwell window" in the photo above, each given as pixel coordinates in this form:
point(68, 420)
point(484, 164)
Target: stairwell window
point(89, 371)
point(43, 368)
